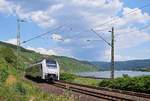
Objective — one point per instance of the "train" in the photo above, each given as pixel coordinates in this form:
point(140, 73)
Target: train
point(45, 69)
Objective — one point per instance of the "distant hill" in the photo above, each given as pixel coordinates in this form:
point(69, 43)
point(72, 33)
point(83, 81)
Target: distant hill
point(67, 64)
point(125, 65)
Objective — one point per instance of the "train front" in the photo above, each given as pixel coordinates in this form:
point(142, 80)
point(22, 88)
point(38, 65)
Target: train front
point(51, 70)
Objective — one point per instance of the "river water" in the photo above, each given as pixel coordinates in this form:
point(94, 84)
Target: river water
point(106, 74)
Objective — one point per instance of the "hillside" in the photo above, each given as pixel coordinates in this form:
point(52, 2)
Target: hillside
point(13, 86)
point(73, 65)
point(67, 64)
point(125, 65)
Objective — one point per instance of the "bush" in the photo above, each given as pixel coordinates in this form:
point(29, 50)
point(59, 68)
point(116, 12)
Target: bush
point(67, 77)
point(138, 84)
point(19, 88)
point(8, 55)
point(3, 75)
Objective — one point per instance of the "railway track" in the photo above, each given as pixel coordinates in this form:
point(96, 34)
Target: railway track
point(91, 92)
point(108, 94)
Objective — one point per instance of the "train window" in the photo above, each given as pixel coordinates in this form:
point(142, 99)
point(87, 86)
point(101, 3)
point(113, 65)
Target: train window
point(51, 63)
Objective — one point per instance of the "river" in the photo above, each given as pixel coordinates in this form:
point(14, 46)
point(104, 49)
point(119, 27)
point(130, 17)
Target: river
point(106, 74)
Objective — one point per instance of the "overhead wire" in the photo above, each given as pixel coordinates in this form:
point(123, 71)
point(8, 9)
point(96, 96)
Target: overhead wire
point(114, 19)
point(40, 35)
point(141, 28)
point(101, 37)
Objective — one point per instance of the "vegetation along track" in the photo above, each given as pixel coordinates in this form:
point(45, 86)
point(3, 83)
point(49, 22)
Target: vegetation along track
point(105, 93)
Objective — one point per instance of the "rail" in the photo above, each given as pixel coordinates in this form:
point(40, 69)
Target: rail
point(105, 93)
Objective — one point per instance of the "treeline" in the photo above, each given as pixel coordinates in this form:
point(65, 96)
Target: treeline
point(124, 65)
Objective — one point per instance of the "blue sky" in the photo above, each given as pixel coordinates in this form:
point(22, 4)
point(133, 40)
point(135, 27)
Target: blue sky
point(77, 17)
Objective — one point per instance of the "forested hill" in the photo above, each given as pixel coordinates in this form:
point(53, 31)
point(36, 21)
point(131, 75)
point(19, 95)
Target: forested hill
point(74, 65)
point(125, 65)
point(27, 57)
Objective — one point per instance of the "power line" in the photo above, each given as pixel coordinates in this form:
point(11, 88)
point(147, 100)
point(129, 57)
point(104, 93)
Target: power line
point(113, 19)
point(40, 35)
point(78, 34)
point(142, 28)
point(108, 21)
point(101, 37)
point(88, 29)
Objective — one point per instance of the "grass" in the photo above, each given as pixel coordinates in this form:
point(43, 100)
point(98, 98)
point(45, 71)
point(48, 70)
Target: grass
point(80, 80)
point(19, 90)
point(86, 81)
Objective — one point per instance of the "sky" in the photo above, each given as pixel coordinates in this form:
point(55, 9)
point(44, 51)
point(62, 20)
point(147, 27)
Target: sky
point(70, 23)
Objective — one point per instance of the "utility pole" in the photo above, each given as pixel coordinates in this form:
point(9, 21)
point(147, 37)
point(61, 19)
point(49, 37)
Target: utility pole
point(111, 44)
point(112, 53)
point(18, 40)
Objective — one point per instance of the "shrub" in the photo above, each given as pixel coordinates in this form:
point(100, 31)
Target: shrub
point(3, 75)
point(67, 77)
point(138, 84)
point(19, 88)
point(8, 55)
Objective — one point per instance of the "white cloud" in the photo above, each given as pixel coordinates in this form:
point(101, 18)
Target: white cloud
point(12, 41)
point(139, 17)
point(63, 51)
point(127, 38)
point(39, 49)
point(57, 37)
point(85, 14)
point(52, 51)
point(6, 6)
point(50, 16)
point(97, 15)
point(42, 50)
point(103, 5)
point(118, 57)
point(42, 19)
point(89, 3)
point(131, 37)
point(55, 8)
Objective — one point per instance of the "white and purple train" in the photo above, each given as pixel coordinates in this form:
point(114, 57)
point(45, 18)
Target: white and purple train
point(46, 69)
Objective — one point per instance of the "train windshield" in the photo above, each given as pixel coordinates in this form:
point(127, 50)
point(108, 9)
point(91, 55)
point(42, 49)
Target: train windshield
point(51, 64)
